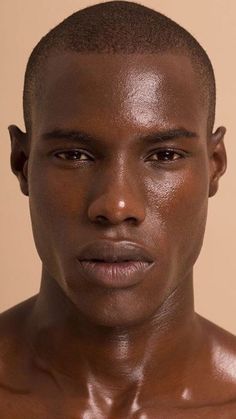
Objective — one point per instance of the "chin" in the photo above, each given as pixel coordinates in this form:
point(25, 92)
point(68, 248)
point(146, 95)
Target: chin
point(112, 308)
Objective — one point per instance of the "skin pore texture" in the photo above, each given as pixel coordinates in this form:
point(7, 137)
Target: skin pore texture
point(119, 151)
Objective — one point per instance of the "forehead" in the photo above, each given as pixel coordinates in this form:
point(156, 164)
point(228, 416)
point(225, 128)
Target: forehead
point(141, 90)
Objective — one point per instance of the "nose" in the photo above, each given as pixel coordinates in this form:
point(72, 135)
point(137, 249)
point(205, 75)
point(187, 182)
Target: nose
point(117, 199)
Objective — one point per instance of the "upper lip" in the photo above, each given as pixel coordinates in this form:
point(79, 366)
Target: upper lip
point(110, 251)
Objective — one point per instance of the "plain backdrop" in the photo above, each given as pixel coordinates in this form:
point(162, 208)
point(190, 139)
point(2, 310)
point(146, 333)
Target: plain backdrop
point(213, 23)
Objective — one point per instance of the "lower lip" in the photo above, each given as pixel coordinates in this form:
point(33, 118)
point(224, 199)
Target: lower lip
point(114, 275)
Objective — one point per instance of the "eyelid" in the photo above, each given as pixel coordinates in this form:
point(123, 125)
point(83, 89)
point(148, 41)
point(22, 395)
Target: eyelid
point(68, 150)
point(182, 153)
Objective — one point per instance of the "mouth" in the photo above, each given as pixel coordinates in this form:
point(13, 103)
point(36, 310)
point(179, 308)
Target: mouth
point(109, 261)
point(114, 264)
point(120, 274)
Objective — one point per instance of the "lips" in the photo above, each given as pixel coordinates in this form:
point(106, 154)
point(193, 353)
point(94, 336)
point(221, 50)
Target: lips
point(110, 264)
point(114, 252)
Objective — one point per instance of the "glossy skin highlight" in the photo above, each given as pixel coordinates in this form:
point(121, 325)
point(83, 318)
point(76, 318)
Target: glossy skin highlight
point(143, 168)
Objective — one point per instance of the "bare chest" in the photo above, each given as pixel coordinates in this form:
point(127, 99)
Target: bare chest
point(18, 406)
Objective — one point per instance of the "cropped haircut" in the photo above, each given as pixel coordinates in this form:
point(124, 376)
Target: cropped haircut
point(117, 27)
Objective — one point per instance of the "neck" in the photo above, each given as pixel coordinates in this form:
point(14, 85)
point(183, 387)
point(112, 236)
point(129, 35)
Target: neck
point(114, 358)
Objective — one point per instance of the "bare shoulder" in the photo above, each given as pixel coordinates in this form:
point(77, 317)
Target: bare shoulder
point(12, 337)
point(13, 320)
point(14, 358)
point(220, 369)
point(223, 342)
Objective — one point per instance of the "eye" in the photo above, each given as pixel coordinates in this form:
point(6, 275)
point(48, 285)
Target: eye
point(167, 155)
point(73, 155)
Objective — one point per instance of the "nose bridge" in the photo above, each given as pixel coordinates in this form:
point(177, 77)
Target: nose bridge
point(118, 193)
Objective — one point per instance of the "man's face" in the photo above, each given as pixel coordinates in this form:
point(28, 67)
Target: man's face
point(122, 186)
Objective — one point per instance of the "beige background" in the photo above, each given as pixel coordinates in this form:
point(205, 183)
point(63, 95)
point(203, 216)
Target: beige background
point(213, 22)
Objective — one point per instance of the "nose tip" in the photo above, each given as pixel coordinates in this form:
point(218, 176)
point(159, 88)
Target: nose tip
point(115, 211)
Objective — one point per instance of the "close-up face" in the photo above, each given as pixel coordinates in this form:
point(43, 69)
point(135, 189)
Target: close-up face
point(119, 152)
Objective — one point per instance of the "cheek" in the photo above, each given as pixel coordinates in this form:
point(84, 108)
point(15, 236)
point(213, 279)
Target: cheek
point(50, 209)
point(179, 209)
point(57, 196)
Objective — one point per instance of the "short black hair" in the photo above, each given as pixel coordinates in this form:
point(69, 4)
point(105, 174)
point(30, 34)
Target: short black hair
point(118, 27)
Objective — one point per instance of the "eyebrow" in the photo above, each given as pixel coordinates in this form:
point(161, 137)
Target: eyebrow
point(155, 137)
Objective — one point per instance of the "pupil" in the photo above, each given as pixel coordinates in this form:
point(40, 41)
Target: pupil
point(167, 155)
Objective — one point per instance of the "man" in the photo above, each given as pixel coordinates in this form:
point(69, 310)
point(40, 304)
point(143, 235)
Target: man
point(118, 159)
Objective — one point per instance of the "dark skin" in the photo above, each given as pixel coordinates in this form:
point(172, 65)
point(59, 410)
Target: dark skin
point(77, 350)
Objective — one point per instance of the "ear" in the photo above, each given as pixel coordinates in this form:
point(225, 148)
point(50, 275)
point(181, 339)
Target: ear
point(19, 156)
point(217, 159)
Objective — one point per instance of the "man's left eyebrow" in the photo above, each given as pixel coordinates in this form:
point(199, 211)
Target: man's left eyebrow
point(170, 134)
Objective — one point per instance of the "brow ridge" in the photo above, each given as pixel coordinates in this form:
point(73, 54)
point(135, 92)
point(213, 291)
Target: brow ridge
point(156, 136)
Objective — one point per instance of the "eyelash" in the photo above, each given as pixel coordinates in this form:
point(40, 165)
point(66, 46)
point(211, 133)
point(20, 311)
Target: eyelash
point(164, 152)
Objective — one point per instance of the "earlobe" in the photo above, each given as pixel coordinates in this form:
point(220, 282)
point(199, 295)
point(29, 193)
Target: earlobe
point(19, 156)
point(217, 159)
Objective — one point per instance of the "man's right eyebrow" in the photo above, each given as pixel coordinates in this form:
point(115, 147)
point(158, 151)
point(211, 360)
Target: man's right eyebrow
point(58, 134)
point(151, 138)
